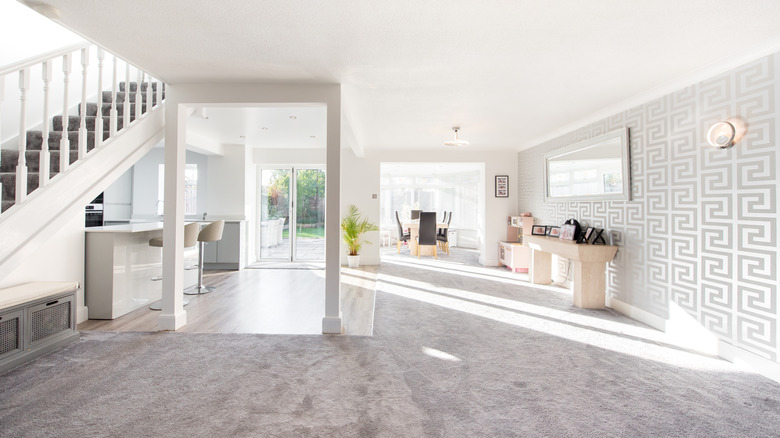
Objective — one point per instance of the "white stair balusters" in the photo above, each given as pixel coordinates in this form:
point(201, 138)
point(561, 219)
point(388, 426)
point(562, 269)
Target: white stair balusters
point(65, 141)
point(42, 121)
point(101, 55)
point(113, 113)
point(149, 95)
point(137, 93)
point(83, 121)
point(126, 105)
point(21, 167)
point(45, 158)
point(159, 92)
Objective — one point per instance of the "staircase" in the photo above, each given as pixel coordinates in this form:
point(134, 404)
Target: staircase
point(9, 158)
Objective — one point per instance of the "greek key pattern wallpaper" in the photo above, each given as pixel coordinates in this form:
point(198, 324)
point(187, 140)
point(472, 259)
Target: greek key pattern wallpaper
point(701, 229)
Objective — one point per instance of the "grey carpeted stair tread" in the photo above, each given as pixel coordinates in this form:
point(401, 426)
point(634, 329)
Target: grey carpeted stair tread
point(9, 184)
point(9, 158)
point(134, 86)
point(105, 109)
point(120, 97)
point(74, 123)
point(35, 139)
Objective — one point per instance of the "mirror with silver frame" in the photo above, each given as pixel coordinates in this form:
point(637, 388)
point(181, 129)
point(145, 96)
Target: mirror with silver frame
point(598, 169)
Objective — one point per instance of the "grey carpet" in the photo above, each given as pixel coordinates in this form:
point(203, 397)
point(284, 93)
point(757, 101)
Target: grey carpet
point(455, 353)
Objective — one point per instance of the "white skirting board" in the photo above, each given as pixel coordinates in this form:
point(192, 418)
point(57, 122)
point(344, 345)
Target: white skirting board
point(703, 341)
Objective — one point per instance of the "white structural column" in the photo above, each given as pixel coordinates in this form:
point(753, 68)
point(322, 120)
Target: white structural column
point(173, 315)
point(331, 322)
point(45, 158)
point(21, 167)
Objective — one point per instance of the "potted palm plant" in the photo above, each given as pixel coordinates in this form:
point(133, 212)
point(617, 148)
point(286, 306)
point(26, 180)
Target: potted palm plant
point(352, 229)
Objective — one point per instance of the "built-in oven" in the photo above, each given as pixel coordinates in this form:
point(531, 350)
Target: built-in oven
point(93, 212)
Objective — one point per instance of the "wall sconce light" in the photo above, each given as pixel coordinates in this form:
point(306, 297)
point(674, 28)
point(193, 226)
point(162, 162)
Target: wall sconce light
point(721, 135)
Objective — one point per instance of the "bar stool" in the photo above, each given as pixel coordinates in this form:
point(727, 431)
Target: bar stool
point(190, 240)
point(210, 233)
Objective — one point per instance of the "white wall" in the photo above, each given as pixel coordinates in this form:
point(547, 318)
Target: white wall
point(360, 180)
point(146, 183)
point(61, 259)
point(226, 187)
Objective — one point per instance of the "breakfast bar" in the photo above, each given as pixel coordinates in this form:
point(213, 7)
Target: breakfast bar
point(122, 270)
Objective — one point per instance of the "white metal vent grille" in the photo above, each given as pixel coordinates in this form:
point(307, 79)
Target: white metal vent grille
point(50, 320)
point(10, 338)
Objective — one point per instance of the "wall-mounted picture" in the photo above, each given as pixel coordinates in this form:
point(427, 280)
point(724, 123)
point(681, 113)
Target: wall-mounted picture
point(502, 186)
point(539, 230)
point(554, 231)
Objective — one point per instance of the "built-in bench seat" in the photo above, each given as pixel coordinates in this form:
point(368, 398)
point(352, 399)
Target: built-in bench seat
point(36, 318)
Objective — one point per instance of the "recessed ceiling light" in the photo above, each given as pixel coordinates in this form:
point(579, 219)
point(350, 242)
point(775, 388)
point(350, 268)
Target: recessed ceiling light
point(293, 117)
point(242, 136)
point(312, 136)
point(264, 128)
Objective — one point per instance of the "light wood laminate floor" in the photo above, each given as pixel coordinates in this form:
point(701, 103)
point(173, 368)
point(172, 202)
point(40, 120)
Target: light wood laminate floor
point(272, 301)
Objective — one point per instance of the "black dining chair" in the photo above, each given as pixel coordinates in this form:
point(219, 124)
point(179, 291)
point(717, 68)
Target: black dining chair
point(443, 220)
point(442, 238)
point(401, 236)
point(416, 214)
point(427, 235)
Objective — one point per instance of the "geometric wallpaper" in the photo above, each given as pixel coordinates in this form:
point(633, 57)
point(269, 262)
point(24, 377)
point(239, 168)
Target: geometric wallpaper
point(701, 229)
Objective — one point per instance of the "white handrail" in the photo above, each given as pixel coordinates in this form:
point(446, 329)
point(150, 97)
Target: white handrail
point(29, 62)
point(44, 62)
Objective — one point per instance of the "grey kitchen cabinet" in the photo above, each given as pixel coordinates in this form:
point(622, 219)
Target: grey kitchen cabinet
point(226, 253)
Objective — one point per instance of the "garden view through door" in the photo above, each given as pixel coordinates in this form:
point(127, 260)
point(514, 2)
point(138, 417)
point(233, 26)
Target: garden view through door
point(291, 216)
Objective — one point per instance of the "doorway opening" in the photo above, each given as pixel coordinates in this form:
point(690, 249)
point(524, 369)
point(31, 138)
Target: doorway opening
point(291, 214)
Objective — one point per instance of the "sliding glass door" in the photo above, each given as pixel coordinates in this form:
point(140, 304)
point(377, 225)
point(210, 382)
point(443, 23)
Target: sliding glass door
point(291, 214)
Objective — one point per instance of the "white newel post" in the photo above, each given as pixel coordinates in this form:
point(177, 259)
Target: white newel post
point(21, 167)
point(45, 158)
point(83, 121)
point(101, 55)
point(113, 113)
point(126, 105)
point(138, 94)
point(64, 141)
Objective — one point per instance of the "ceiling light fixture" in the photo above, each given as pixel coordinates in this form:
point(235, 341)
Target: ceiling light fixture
point(457, 141)
point(293, 117)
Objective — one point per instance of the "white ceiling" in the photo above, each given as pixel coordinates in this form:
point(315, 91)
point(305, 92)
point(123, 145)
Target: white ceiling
point(509, 72)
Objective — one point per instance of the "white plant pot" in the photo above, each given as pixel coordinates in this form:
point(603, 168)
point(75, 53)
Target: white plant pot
point(353, 261)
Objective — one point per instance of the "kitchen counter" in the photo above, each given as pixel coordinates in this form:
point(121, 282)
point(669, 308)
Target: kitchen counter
point(120, 266)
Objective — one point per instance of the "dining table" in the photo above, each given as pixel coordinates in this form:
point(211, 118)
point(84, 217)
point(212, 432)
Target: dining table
point(414, 232)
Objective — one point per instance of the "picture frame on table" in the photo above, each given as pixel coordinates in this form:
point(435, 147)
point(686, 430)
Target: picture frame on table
point(554, 231)
point(502, 186)
point(598, 237)
point(539, 230)
point(587, 235)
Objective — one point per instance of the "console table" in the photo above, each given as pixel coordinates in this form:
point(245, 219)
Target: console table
point(589, 263)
